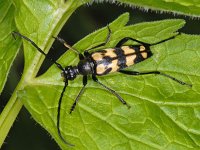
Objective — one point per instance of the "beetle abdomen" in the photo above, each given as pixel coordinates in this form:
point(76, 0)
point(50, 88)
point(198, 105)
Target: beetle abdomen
point(114, 59)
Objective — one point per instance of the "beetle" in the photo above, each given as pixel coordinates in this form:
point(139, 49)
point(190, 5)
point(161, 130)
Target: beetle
point(103, 62)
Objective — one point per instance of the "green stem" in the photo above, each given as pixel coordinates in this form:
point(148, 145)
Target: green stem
point(9, 115)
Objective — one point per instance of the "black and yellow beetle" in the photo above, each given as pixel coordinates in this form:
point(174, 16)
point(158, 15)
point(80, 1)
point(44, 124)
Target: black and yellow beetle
point(103, 62)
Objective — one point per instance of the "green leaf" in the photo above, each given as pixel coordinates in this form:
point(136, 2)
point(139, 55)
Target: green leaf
point(8, 47)
point(185, 7)
point(38, 20)
point(163, 114)
point(8, 50)
point(41, 25)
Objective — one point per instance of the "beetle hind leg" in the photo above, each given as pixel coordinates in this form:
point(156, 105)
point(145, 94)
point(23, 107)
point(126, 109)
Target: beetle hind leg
point(154, 72)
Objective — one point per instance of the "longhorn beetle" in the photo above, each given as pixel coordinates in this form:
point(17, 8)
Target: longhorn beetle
point(103, 62)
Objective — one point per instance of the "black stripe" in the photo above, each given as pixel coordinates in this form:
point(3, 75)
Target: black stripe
point(149, 53)
point(120, 57)
point(138, 54)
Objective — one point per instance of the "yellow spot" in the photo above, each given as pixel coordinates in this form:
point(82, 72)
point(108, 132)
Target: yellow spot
point(110, 52)
point(127, 50)
point(142, 48)
point(100, 69)
point(107, 52)
point(130, 60)
point(114, 65)
point(144, 54)
point(97, 56)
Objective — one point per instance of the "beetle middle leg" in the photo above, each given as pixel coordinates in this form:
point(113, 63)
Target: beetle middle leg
point(111, 90)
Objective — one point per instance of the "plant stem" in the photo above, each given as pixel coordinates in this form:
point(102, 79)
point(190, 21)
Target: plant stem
point(9, 115)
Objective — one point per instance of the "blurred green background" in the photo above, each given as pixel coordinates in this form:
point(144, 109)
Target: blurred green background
point(26, 133)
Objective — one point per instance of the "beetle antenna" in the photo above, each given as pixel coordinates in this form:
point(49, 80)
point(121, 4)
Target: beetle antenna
point(65, 44)
point(14, 33)
point(64, 88)
point(58, 115)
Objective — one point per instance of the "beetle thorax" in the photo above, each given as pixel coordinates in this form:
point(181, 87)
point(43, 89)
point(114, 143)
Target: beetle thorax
point(85, 67)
